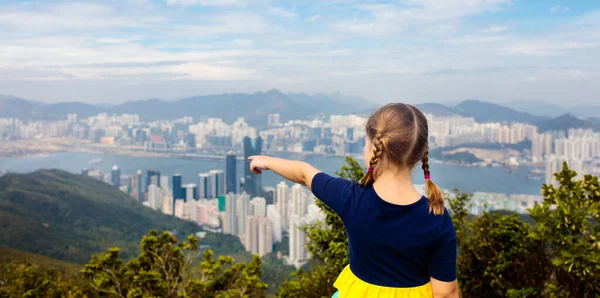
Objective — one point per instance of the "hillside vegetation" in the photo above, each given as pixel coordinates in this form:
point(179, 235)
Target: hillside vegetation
point(70, 217)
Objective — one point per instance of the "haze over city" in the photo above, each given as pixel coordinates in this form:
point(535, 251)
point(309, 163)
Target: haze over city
point(412, 51)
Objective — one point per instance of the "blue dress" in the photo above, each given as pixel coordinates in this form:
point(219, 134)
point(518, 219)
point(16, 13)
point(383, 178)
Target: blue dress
point(394, 249)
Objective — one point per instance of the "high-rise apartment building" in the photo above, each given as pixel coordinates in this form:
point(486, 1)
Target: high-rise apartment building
point(265, 236)
point(190, 192)
point(217, 183)
point(203, 186)
point(154, 197)
point(231, 214)
point(283, 203)
point(258, 235)
point(275, 218)
point(139, 186)
point(299, 201)
point(297, 240)
point(149, 175)
point(115, 176)
point(230, 174)
point(178, 192)
point(252, 182)
point(258, 207)
point(242, 211)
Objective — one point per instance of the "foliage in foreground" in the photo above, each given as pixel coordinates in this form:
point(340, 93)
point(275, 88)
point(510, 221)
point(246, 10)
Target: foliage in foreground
point(569, 223)
point(163, 269)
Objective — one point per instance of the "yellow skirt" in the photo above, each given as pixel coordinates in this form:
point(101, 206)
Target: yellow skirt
point(350, 286)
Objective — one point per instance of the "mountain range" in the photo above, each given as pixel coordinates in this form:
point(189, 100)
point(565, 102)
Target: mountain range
point(540, 108)
point(489, 112)
point(255, 107)
point(69, 217)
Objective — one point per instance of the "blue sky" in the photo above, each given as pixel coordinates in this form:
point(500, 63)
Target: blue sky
point(405, 50)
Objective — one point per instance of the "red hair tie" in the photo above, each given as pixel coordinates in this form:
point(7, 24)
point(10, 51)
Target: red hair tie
point(370, 170)
point(427, 177)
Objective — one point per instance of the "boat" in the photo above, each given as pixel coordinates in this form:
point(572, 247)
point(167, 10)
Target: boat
point(96, 160)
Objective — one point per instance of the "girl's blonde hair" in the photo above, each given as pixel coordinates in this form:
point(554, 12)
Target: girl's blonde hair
point(399, 133)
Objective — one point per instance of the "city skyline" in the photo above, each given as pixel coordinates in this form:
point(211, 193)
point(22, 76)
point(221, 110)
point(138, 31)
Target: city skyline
point(412, 51)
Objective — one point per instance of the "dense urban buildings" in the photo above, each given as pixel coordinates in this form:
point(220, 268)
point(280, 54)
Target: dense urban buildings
point(225, 202)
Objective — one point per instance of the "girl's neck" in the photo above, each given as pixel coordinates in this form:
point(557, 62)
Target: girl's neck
point(396, 187)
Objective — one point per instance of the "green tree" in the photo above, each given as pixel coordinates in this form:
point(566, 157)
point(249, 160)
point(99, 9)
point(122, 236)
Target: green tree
point(223, 279)
point(499, 259)
point(163, 269)
point(328, 246)
point(568, 223)
point(21, 279)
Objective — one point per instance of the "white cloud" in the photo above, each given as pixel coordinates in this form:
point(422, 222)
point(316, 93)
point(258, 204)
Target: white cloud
point(494, 29)
point(243, 42)
point(307, 41)
point(208, 2)
point(72, 17)
point(280, 12)
point(474, 39)
point(224, 24)
point(419, 15)
point(559, 8)
point(548, 75)
point(313, 18)
point(549, 48)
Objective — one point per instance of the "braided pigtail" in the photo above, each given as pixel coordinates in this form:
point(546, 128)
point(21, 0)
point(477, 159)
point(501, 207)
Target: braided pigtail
point(369, 178)
point(434, 194)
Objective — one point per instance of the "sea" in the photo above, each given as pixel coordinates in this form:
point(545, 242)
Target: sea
point(447, 176)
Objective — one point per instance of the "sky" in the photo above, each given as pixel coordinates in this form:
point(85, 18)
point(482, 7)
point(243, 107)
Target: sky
point(405, 50)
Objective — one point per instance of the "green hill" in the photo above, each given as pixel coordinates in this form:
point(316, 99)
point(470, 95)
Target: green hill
point(70, 217)
point(8, 255)
point(565, 122)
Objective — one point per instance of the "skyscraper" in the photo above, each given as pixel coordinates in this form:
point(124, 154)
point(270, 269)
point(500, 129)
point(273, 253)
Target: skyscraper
point(139, 186)
point(177, 190)
point(149, 175)
point(282, 204)
point(537, 148)
point(231, 214)
point(299, 202)
point(203, 186)
point(115, 176)
point(217, 183)
point(242, 211)
point(231, 169)
point(258, 235)
point(154, 197)
point(252, 182)
point(275, 218)
point(164, 183)
point(265, 236)
point(190, 192)
point(297, 240)
point(251, 234)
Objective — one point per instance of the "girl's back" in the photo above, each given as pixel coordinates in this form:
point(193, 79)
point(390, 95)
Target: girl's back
point(391, 246)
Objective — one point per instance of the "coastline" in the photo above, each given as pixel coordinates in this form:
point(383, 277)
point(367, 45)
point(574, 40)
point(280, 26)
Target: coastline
point(77, 145)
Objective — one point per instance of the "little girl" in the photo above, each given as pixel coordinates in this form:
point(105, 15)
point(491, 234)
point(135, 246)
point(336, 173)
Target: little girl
point(401, 244)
